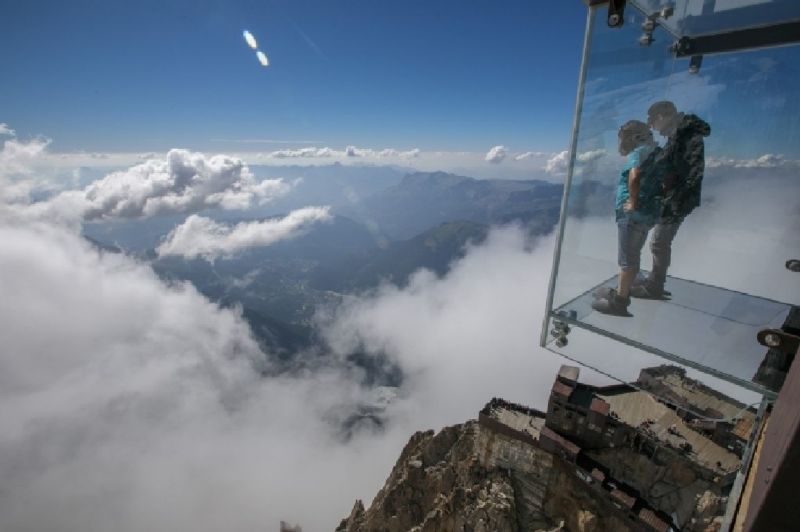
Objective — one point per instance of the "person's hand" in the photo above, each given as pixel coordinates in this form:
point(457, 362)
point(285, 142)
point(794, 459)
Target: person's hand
point(628, 206)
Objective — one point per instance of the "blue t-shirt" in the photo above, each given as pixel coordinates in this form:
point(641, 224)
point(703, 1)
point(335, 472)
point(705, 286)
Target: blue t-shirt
point(650, 178)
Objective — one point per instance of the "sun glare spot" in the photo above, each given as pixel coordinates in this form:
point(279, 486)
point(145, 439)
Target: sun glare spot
point(262, 58)
point(249, 39)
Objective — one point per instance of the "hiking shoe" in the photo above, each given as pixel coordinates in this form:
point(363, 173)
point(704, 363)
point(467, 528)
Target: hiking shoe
point(604, 292)
point(614, 304)
point(651, 288)
point(646, 291)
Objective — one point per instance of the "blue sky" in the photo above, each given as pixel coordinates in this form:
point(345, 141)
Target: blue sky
point(444, 75)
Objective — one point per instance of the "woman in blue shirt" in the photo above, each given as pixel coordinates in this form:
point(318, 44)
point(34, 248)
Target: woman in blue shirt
point(637, 207)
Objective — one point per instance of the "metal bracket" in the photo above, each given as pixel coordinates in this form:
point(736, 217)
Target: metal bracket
point(695, 63)
point(744, 39)
point(650, 23)
point(616, 13)
point(780, 340)
point(561, 328)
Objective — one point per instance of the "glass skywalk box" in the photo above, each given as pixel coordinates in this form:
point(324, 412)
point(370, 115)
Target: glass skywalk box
point(682, 198)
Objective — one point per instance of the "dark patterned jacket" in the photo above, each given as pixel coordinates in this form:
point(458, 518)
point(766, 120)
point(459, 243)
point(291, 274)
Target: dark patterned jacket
point(684, 159)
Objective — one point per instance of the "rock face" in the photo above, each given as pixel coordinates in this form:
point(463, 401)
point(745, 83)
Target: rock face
point(439, 484)
point(471, 478)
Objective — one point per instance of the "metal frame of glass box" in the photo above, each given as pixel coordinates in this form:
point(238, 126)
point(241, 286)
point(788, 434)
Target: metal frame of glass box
point(771, 29)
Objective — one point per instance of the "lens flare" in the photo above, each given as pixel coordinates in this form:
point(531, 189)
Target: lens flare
point(262, 58)
point(249, 39)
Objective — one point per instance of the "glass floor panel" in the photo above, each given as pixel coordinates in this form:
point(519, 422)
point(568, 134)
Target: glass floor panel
point(701, 326)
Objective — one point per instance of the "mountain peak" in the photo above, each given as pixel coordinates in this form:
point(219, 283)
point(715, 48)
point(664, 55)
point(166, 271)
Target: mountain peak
point(440, 180)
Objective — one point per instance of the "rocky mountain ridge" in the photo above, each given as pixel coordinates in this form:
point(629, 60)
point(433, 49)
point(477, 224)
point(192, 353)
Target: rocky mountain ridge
point(470, 477)
point(519, 469)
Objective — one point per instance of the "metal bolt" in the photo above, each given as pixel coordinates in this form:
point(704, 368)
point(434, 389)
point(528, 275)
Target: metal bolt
point(772, 340)
point(613, 20)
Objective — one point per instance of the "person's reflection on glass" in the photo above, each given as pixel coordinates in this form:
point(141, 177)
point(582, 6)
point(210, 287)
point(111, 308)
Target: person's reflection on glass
point(684, 159)
point(637, 208)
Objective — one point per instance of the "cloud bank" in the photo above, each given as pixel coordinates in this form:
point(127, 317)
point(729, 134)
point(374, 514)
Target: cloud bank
point(768, 160)
point(130, 405)
point(349, 151)
point(203, 237)
point(528, 155)
point(462, 338)
point(133, 405)
point(183, 182)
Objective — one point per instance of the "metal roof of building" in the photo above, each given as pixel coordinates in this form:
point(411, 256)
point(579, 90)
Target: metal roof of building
point(698, 395)
point(641, 410)
point(520, 421)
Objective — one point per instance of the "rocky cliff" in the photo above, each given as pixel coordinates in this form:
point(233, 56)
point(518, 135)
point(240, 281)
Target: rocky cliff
point(472, 478)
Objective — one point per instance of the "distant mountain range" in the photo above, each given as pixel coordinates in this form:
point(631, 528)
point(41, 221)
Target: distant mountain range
point(424, 200)
point(383, 230)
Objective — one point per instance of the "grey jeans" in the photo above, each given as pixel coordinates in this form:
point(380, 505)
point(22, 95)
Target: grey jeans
point(661, 246)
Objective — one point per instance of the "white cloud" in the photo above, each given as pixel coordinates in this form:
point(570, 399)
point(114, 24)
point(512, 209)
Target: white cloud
point(463, 338)
point(157, 400)
point(591, 156)
point(6, 130)
point(301, 152)
point(557, 164)
point(767, 160)
point(130, 405)
point(528, 155)
point(496, 154)
point(17, 157)
point(203, 237)
point(348, 152)
point(183, 182)
point(152, 397)
point(352, 151)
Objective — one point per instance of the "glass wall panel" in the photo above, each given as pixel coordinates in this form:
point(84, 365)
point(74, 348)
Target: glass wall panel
point(715, 156)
